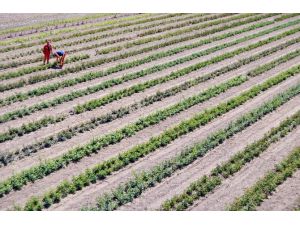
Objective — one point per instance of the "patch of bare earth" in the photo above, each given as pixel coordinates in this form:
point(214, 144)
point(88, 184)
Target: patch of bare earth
point(176, 184)
point(235, 186)
point(80, 139)
point(285, 197)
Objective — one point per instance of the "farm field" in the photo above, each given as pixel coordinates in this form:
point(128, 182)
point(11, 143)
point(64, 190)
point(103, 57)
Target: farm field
point(150, 112)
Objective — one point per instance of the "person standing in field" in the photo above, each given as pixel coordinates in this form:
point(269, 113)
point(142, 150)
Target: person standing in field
point(47, 50)
point(60, 57)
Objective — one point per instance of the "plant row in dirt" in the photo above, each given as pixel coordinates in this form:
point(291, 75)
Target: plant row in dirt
point(120, 67)
point(26, 36)
point(172, 34)
point(206, 184)
point(93, 38)
point(181, 31)
point(139, 87)
point(29, 128)
point(93, 46)
point(92, 104)
point(94, 31)
point(286, 16)
point(47, 26)
point(134, 29)
point(197, 35)
point(105, 168)
point(87, 32)
point(261, 190)
point(175, 26)
point(142, 86)
point(111, 41)
point(74, 155)
point(33, 69)
point(134, 187)
point(78, 68)
point(64, 135)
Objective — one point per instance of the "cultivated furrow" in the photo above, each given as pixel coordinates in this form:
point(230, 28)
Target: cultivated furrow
point(247, 176)
point(285, 197)
point(39, 186)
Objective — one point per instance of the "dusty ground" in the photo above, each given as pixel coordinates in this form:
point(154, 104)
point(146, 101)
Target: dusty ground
point(286, 195)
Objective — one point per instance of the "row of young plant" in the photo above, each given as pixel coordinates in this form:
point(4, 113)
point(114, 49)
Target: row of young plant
point(33, 69)
point(178, 32)
point(74, 155)
point(188, 29)
point(282, 17)
point(81, 67)
point(261, 190)
point(57, 38)
point(138, 28)
point(44, 26)
point(134, 187)
point(142, 86)
point(106, 42)
point(278, 19)
point(26, 36)
point(206, 184)
point(6, 158)
point(156, 56)
point(85, 40)
point(105, 168)
point(176, 26)
point(76, 49)
point(286, 16)
point(95, 103)
point(132, 19)
point(30, 52)
point(29, 128)
point(197, 35)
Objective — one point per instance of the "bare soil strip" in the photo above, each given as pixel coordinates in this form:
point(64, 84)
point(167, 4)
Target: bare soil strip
point(107, 65)
point(285, 197)
point(83, 37)
point(9, 21)
point(80, 21)
point(86, 137)
point(95, 81)
point(135, 36)
point(130, 36)
point(251, 173)
point(66, 107)
point(152, 199)
point(73, 169)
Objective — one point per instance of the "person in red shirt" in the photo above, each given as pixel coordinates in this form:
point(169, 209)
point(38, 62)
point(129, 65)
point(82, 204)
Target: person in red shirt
point(47, 50)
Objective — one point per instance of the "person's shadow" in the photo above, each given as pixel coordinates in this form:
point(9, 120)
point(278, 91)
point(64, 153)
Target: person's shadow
point(55, 66)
